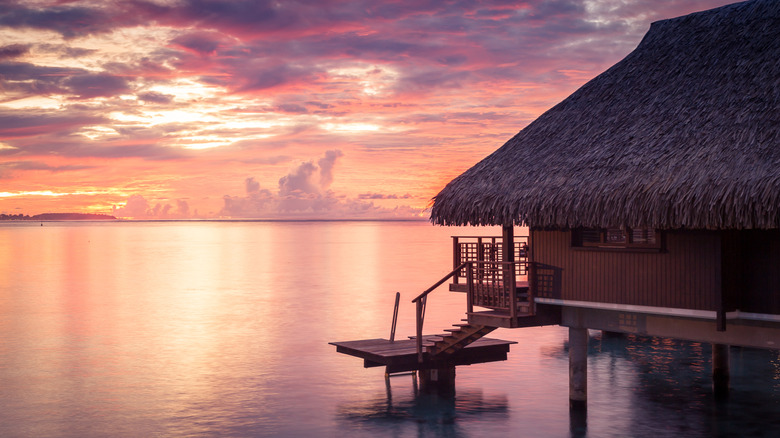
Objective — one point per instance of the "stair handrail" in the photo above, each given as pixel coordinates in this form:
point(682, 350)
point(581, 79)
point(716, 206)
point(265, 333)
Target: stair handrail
point(420, 301)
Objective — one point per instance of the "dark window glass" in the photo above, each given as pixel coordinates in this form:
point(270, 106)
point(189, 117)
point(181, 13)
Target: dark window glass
point(616, 238)
point(643, 236)
point(591, 236)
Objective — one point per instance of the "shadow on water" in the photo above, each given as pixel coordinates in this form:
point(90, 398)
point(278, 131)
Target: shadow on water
point(404, 409)
point(673, 381)
point(638, 386)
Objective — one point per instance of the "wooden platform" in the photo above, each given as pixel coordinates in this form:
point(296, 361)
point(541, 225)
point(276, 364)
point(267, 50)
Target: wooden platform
point(401, 355)
point(545, 315)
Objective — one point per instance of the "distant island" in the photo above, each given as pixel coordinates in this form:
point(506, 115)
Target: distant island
point(57, 217)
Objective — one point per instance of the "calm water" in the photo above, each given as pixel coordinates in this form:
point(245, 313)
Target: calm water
point(222, 329)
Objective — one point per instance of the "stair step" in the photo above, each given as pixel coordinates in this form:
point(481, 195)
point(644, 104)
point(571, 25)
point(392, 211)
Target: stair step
point(456, 338)
point(493, 314)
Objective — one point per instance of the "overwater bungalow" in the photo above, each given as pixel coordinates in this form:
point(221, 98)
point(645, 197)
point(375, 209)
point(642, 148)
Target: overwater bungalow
point(651, 195)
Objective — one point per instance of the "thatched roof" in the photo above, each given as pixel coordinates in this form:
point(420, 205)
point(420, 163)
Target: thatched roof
point(682, 133)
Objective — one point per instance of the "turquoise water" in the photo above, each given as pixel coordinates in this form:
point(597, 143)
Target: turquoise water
point(222, 329)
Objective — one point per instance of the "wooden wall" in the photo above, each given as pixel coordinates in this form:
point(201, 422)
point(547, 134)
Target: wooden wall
point(758, 288)
point(687, 274)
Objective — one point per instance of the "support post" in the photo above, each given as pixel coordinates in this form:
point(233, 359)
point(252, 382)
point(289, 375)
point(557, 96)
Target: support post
point(720, 370)
point(438, 380)
point(508, 243)
point(508, 274)
point(578, 368)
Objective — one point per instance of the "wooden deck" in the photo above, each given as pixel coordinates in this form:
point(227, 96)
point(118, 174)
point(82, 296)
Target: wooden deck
point(401, 355)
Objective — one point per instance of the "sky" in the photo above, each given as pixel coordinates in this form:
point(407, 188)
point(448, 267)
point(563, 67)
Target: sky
point(185, 109)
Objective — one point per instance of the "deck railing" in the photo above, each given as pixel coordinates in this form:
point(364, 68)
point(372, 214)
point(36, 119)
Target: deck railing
point(492, 285)
point(487, 249)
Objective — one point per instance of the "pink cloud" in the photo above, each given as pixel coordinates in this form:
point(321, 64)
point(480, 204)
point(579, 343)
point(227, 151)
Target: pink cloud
point(138, 207)
point(303, 193)
point(410, 92)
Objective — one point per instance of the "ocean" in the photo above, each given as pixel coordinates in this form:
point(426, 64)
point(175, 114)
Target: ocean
point(139, 329)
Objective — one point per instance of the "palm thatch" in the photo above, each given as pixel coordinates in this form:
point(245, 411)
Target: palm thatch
point(682, 133)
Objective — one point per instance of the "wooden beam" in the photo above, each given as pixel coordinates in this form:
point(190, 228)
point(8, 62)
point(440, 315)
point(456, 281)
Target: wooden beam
point(746, 333)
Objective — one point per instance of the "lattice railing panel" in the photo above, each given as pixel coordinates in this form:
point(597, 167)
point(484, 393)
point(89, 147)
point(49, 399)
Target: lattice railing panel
point(479, 249)
point(493, 285)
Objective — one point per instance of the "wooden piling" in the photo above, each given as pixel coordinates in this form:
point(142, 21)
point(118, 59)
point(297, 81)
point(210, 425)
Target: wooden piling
point(578, 367)
point(438, 380)
point(720, 370)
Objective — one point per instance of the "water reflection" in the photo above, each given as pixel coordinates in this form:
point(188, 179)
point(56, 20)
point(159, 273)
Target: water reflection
point(672, 380)
point(638, 386)
point(222, 329)
point(405, 410)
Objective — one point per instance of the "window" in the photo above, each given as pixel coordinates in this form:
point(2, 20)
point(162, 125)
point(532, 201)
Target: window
point(616, 238)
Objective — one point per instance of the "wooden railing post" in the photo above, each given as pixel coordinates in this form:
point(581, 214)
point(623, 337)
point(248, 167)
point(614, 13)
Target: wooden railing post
point(470, 292)
point(455, 257)
point(480, 251)
point(395, 316)
point(532, 286)
point(510, 279)
point(419, 331)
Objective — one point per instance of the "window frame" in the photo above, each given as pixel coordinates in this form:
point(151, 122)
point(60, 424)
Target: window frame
point(625, 244)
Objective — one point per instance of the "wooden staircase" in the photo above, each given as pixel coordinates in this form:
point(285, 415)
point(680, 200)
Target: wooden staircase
point(457, 338)
point(490, 285)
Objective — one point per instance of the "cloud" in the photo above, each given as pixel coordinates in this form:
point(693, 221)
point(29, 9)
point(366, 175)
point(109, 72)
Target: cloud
point(299, 181)
point(252, 186)
point(138, 207)
point(89, 86)
point(200, 42)
point(13, 50)
point(183, 207)
point(277, 159)
point(22, 79)
point(66, 20)
point(7, 169)
point(326, 164)
point(30, 123)
point(291, 108)
point(304, 193)
point(383, 196)
point(45, 133)
point(262, 75)
point(414, 92)
point(257, 203)
point(155, 97)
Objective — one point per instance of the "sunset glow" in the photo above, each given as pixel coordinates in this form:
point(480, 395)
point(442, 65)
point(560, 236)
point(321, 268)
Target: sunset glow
point(254, 109)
